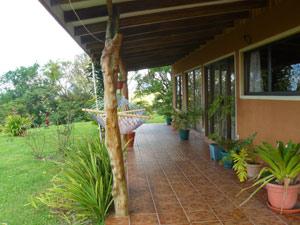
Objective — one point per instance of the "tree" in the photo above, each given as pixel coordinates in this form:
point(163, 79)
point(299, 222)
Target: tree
point(157, 81)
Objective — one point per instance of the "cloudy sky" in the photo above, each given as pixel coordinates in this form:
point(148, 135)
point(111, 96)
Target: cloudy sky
point(30, 34)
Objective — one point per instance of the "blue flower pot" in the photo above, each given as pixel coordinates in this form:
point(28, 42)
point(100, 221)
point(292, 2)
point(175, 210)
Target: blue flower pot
point(227, 164)
point(184, 134)
point(168, 120)
point(215, 152)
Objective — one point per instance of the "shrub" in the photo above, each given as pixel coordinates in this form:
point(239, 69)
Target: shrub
point(36, 140)
point(82, 192)
point(16, 125)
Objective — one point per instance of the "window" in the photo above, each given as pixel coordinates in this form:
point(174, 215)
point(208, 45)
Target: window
point(193, 82)
point(219, 78)
point(194, 87)
point(178, 82)
point(274, 69)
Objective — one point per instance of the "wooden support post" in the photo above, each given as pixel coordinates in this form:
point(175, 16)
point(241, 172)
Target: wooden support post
point(110, 68)
point(124, 91)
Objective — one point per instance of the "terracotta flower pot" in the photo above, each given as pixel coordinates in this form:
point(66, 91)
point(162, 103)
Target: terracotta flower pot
point(275, 195)
point(130, 136)
point(120, 85)
point(253, 169)
point(172, 125)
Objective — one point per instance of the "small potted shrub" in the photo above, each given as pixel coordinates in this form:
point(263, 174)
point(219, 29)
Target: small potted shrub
point(168, 116)
point(214, 148)
point(245, 164)
point(120, 82)
point(184, 120)
point(130, 139)
point(280, 175)
point(229, 147)
point(218, 109)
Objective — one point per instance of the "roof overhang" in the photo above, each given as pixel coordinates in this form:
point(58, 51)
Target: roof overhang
point(156, 32)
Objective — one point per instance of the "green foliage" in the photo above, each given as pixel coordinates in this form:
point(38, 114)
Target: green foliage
point(63, 136)
point(83, 191)
point(22, 177)
point(283, 165)
point(219, 109)
point(36, 139)
point(185, 119)
point(240, 164)
point(233, 146)
point(158, 82)
point(16, 125)
point(58, 86)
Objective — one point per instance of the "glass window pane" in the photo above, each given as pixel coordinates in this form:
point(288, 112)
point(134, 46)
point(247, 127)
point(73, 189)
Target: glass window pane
point(286, 65)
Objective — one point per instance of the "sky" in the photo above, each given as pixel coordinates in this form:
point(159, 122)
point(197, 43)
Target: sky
point(30, 34)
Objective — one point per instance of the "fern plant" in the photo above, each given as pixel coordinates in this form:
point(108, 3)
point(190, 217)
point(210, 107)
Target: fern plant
point(241, 160)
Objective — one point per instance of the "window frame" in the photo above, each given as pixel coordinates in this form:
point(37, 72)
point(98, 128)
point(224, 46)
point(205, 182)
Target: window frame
point(246, 92)
point(176, 92)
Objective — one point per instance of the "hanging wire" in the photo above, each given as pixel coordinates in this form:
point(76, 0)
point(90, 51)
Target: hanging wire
point(83, 24)
point(96, 98)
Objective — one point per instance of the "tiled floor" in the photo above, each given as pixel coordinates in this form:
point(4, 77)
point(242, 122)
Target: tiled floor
point(174, 182)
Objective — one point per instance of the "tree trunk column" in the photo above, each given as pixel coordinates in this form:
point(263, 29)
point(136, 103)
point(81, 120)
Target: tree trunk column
point(110, 68)
point(124, 91)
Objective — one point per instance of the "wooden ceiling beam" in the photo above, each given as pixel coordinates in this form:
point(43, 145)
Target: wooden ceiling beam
point(180, 14)
point(158, 52)
point(182, 30)
point(59, 2)
point(133, 66)
point(147, 45)
point(161, 36)
point(127, 7)
point(169, 25)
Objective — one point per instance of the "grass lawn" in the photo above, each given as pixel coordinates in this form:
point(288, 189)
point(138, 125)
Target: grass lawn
point(22, 176)
point(157, 119)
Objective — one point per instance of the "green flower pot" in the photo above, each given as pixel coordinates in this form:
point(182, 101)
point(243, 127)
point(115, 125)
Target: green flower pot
point(184, 134)
point(227, 164)
point(169, 121)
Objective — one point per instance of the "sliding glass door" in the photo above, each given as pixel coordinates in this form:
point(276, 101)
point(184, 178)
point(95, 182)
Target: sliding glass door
point(220, 81)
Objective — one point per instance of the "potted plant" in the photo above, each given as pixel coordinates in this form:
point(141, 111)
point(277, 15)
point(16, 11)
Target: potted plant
point(218, 110)
point(185, 119)
point(167, 113)
point(245, 164)
point(130, 139)
point(279, 175)
point(232, 147)
point(120, 82)
point(229, 147)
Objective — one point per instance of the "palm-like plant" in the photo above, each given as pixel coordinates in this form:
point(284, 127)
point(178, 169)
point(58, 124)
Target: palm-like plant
point(283, 165)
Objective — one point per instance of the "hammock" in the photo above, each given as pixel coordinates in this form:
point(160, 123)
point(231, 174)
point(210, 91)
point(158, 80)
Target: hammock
point(130, 115)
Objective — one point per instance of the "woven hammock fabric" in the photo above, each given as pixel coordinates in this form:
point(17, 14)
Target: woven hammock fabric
point(127, 124)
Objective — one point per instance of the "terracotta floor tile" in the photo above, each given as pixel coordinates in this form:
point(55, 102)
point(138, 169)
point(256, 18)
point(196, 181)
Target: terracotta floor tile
point(144, 219)
point(202, 216)
point(193, 205)
point(168, 175)
point(258, 212)
point(116, 221)
point(173, 218)
point(237, 222)
point(230, 214)
point(207, 223)
point(291, 219)
point(268, 221)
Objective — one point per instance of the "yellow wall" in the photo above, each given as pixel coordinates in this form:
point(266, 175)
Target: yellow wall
point(272, 119)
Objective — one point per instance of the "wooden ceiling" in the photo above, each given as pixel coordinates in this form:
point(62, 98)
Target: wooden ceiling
point(156, 32)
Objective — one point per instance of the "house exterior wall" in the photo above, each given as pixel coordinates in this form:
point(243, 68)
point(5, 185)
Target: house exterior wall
point(274, 118)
